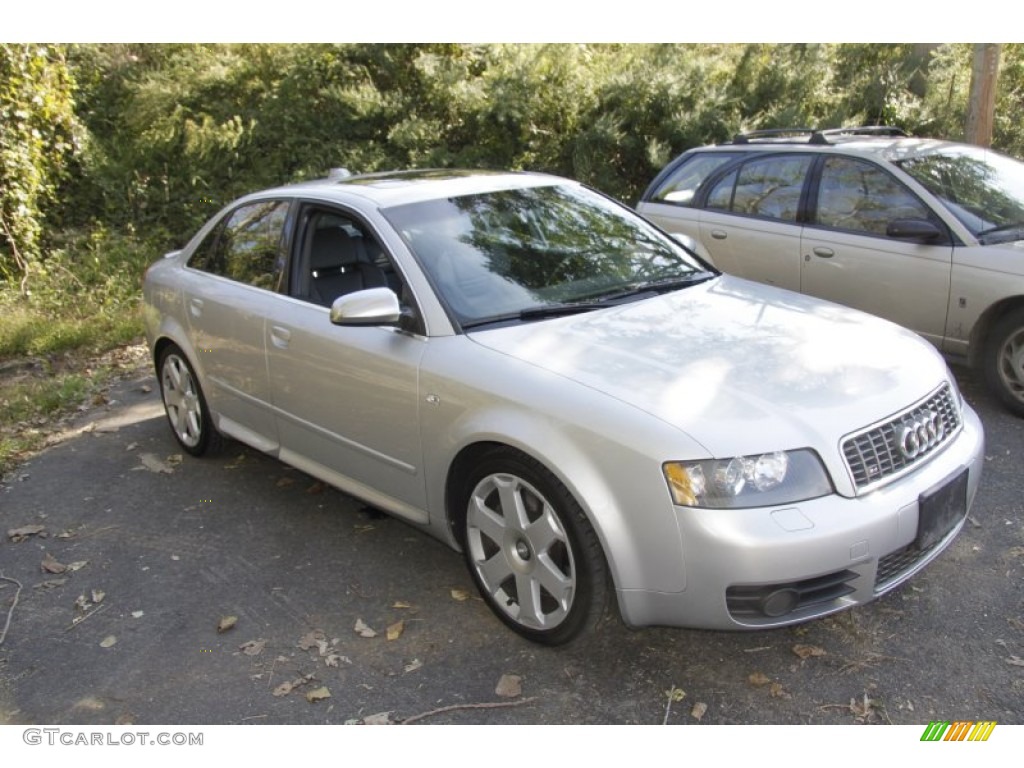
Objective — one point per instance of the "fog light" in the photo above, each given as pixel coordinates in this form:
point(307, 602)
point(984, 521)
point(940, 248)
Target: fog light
point(780, 602)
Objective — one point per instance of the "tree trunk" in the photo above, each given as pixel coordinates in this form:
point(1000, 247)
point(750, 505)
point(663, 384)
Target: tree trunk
point(981, 105)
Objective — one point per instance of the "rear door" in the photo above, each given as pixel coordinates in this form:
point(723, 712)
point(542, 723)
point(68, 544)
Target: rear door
point(234, 278)
point(849, 257)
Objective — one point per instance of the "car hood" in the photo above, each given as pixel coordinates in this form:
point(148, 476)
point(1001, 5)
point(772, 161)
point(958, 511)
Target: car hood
point(742, 368)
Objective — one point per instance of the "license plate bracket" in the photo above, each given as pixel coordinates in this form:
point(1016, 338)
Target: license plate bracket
point(940, 509)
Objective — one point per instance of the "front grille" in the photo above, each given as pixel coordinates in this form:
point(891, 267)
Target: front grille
point(893, 565)
point(894, 446)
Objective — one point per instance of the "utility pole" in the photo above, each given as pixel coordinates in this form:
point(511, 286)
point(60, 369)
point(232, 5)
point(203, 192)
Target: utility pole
point(981, 105)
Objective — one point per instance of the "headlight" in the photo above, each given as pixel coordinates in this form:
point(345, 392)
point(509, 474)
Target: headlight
point(769, 479)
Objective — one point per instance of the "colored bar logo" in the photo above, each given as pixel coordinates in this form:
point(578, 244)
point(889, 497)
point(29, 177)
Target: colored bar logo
point(958, 730)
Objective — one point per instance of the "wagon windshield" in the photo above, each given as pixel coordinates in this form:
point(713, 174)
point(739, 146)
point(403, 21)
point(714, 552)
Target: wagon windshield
point(528, 253)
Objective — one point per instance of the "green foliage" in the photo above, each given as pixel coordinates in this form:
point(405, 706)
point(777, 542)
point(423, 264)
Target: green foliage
point(37, 127)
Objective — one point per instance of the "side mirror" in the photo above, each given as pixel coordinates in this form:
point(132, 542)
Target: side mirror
point(920, 230)
point(374, 306)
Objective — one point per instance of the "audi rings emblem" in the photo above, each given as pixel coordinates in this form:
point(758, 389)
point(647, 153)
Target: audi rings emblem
point(920, 433)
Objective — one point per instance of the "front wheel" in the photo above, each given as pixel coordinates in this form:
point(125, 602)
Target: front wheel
point(531, 550)
point(1004, 361)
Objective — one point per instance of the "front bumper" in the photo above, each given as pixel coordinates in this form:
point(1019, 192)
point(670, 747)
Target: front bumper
point(836, 552)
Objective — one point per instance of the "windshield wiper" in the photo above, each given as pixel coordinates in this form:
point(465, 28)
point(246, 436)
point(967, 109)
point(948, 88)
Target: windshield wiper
point(1003, 234)
point(662, 285)
point(535, 313)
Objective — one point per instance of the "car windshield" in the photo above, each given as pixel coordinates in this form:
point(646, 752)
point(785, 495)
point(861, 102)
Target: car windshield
point(983, 189)
point(539, 251)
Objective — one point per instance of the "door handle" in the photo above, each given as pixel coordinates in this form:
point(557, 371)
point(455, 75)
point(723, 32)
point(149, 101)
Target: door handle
point(719, 234)
point(823, 252)
point(280, 337)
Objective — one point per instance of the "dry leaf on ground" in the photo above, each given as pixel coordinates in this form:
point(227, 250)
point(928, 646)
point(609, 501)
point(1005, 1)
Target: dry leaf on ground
point(460, 595)
point(108, 641)
point(806, 651)
point(22, 533)
point(401, 604)
point(509, 686)
point(412, 666)
point(226, 623)
point(395, 630)
point(253, 647)
point(758, 679)
point(50, 565)
point(154, 464)
point(318, 694)
point(699, 710)
point(363, 630)
point(311, 639)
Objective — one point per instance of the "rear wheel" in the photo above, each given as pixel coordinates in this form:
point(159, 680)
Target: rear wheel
point(531, 550)
point(1004, 361)
point(185, 405)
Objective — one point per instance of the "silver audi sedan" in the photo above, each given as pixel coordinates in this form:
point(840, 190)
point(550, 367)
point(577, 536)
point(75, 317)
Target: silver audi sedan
point(593, 416)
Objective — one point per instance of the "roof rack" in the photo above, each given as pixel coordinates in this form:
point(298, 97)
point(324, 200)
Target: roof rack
point(816, 136)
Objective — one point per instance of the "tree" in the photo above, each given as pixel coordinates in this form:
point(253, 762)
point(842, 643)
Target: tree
point(981, 104)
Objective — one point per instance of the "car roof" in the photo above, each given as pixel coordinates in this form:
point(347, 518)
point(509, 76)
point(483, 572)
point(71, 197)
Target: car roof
point(889, 148)
point(392, 188)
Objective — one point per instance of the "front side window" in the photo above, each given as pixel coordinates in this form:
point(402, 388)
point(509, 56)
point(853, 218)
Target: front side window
point(248, 246)
point(858, 196)
point(768, 187)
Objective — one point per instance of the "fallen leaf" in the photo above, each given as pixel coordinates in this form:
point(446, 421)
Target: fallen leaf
point(175, 459)
point(77, 565)
point(283, 689)
point(154, 464)
point(380, 718)
point(82, 603)
point(1015, 661)
point(363, 630)
point(145, 389)
point(236, 463)
point(311, 639)
point(285, 481)
point(253, 647)
point(126, 718)
point(806, 651)
point(401, 604)
point(51, 583)
point(131, 446)
point(776, 691)
point(138, 614)
point(49, 565)
point(509, 686)
point(226, 623)
point(758, 679)
point(318, 694)
point(675, 694)
point(395, 630)
point(316, 487)
point(98, 595)
point(412, 666)
point(108, 641)
point(460, 595)
point(66, 535)
point(699, 710)
point(22, 533)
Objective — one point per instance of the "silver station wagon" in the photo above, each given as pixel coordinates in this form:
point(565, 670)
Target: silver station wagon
point(591, 414)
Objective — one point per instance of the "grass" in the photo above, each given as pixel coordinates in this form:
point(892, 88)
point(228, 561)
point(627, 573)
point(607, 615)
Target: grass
point(81, 302)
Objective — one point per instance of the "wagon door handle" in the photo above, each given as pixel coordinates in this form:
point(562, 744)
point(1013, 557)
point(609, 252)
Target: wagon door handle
point(280, 337)
point(825, 253)
point(719, 234)
point(196, 307)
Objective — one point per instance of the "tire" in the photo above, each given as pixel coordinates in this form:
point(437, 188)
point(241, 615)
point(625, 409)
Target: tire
point(1004, 361)
point(531, 550)
point(185, 405)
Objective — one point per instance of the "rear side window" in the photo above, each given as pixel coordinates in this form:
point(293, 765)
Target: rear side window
point(767, 187)
point(680, 187)
point(247, 246)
